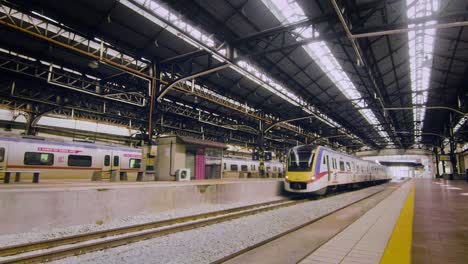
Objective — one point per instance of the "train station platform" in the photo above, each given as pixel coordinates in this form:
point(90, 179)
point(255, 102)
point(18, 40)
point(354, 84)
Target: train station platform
point(440, 230)
point(26, 207)
point(422, 222)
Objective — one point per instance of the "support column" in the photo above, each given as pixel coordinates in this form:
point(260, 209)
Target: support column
point(148, 154)
point(261, 150)
point(453, 156)
point(437, 162)
point(31, 121)
point(442, 152)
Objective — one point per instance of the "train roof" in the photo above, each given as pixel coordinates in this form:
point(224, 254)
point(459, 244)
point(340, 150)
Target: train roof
point(235, 158)
point(341, 153)
point(51, 141)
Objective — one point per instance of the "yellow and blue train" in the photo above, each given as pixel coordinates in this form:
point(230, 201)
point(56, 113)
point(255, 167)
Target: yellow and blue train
point(315, 169)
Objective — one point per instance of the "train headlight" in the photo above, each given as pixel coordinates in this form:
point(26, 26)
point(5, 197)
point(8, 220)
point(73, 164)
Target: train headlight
point(313, 178)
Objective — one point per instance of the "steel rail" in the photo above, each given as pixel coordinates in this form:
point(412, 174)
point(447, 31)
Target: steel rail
point(164, 226)
point(27, 247)
point(289, 231)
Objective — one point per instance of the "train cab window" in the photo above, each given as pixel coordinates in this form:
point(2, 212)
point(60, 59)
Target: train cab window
point(224, 167)
point(342, 166)
point(2, 154)
point(244, 168)
point(324, 160)
point(234, 167)
point(36, 158)
point(134, 163)
point(79, 161)
point(300, 158)
point(107, 160)
point(116, 161)
point(348, 166)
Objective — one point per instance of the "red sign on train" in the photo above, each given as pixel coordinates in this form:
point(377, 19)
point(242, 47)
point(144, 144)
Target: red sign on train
point(132, 155)
point(59, 150)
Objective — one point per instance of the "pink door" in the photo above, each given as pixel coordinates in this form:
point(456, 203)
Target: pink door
point(200, 164)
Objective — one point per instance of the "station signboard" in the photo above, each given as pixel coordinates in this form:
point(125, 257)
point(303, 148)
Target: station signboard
point(444, 157)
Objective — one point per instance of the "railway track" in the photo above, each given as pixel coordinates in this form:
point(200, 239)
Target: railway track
point(58, 248)
point(296, 228)
point(53, 249)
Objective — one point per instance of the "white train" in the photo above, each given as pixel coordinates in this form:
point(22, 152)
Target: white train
point(314, 169)
point(244, 168)
point(77, 160)
point(66, 160)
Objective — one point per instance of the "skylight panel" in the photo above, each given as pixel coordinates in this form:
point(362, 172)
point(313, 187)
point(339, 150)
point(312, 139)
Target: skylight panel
point(460, 124)
point(421, 45)
point(290, 12)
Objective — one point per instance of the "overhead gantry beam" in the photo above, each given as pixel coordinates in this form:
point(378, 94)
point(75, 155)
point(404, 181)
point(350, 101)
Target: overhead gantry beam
point(281, 29)
point(58, 35)
point(183, 79)
point(55, 75)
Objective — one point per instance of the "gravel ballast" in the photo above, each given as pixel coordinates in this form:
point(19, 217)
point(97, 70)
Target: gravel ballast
point(207, 244)
point(13, 239)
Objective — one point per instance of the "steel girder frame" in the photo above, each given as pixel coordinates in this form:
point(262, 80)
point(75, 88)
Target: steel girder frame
point(55, 33)
point(395, 27)
point(56, 75)
point(17, 97)
point(220, 28)
point(48, 31)
point(71, 80)
point(301, 87)
point(98, 50)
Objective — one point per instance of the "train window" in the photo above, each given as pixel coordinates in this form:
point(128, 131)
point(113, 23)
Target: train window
point(300, 158)
point(244, 168)
point(275, 169)
point(342, 166)
point(116, 161)
point(348, 167)
point(2, 154)
point(134, 163)
point(79, 161)
point(268, 168)
point(334, 163)
point(224, 166)
point(107, 160)
point(324, 161)
point(234, 167)
point(36, 158)
point(253, 167)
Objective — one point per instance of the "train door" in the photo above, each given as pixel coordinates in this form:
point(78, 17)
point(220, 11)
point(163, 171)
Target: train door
point(115, 162)
point(106, 164)
point(111, 162)
point(328, 168)
point(3, 159)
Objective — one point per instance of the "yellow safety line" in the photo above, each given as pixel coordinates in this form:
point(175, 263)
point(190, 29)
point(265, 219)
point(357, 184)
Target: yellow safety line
point(399, 246)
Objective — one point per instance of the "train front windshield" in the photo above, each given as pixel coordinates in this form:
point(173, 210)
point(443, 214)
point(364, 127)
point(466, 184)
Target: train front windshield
point(300, 158)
